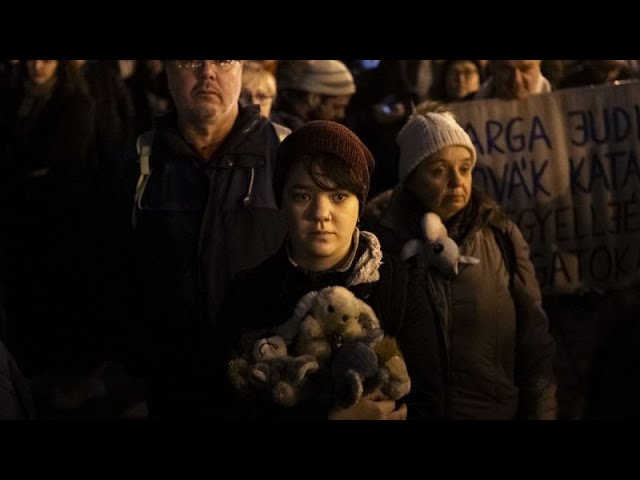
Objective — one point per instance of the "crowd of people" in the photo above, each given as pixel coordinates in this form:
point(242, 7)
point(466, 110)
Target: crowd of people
point(154, 212)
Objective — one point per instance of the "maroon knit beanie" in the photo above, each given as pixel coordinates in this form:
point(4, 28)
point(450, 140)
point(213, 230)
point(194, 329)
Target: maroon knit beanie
point(318, 137)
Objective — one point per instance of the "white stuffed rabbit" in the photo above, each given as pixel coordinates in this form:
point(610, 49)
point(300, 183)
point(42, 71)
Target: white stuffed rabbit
point(440, 250)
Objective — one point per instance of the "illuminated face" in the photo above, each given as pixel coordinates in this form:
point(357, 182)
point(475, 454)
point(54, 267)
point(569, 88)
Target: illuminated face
point(321, 222)
point(442, 182)
point(41, 71)
point(516, 79)
point(204, 90)
point(462, 79)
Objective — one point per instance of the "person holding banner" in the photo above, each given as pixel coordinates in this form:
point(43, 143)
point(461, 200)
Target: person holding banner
point(514, 80)
point(499, 353)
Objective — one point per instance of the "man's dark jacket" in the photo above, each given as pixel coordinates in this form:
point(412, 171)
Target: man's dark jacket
point(198, 224)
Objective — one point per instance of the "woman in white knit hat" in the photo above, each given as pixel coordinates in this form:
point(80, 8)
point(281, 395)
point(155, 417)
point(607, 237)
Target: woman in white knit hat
point(499, 353)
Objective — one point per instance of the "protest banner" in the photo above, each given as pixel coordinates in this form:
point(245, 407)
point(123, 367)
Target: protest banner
point(565, 166)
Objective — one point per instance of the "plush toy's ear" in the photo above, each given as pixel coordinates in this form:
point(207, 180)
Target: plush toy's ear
point(289, 329)
point(304, 304)
point(269, 348)
point(469, 260)
point(308, 365)
point(411, 249)
point(368, 318)
point(433, 227)
point(466, 259)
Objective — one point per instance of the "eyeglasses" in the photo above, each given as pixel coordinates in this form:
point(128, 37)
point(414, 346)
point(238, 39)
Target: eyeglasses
point(249, 98)
point(223, 65)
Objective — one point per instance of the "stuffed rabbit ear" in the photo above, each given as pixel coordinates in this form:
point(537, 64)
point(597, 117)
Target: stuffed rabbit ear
point(290, 329)
point(411, 249)
point(469, 260)
point(433, 227)
point(465, 259)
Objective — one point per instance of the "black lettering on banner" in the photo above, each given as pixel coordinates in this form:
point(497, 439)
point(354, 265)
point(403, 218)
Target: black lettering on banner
point(600, 263)
point(631, 214)
point(558, 266)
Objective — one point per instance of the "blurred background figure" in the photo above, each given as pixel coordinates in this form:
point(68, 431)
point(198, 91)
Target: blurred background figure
point(16, 402)
point(553, 70)
point(9, 73)
point(49, 184)
point(150, 93)
point(114, 111)
point(376, 204)
point(383, 101)
point(457, 80)
point(357, 67)
point(596, 72)
point(269, 65)
point(513, 80)
point(312, 90)
point(124, 68)
point(258, 87)
point(614, 376)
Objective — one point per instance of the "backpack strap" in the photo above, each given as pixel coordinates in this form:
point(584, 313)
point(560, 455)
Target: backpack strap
point(143, 147)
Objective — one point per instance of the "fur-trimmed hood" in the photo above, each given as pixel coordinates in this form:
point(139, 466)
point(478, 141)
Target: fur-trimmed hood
point(367, 267)
point(363, 265)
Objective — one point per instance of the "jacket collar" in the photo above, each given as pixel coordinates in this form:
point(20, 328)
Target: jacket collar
point(367, 266)
point(238, 150)
point(363, 267)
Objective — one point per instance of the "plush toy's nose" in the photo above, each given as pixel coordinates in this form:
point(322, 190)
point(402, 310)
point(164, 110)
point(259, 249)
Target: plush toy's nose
point(345, 318)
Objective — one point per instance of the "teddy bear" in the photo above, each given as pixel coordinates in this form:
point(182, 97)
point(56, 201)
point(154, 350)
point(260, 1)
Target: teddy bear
point(397, 382)
point(323, 320)
point(272, 370)
point(440, 250)
point(370, 363)
point(344, 332)
point(355, 372)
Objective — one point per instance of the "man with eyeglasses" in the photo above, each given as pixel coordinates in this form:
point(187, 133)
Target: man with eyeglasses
point(205, 211)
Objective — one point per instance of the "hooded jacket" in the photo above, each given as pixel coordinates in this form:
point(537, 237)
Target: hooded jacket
point(499, 352)
point(198, 224)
